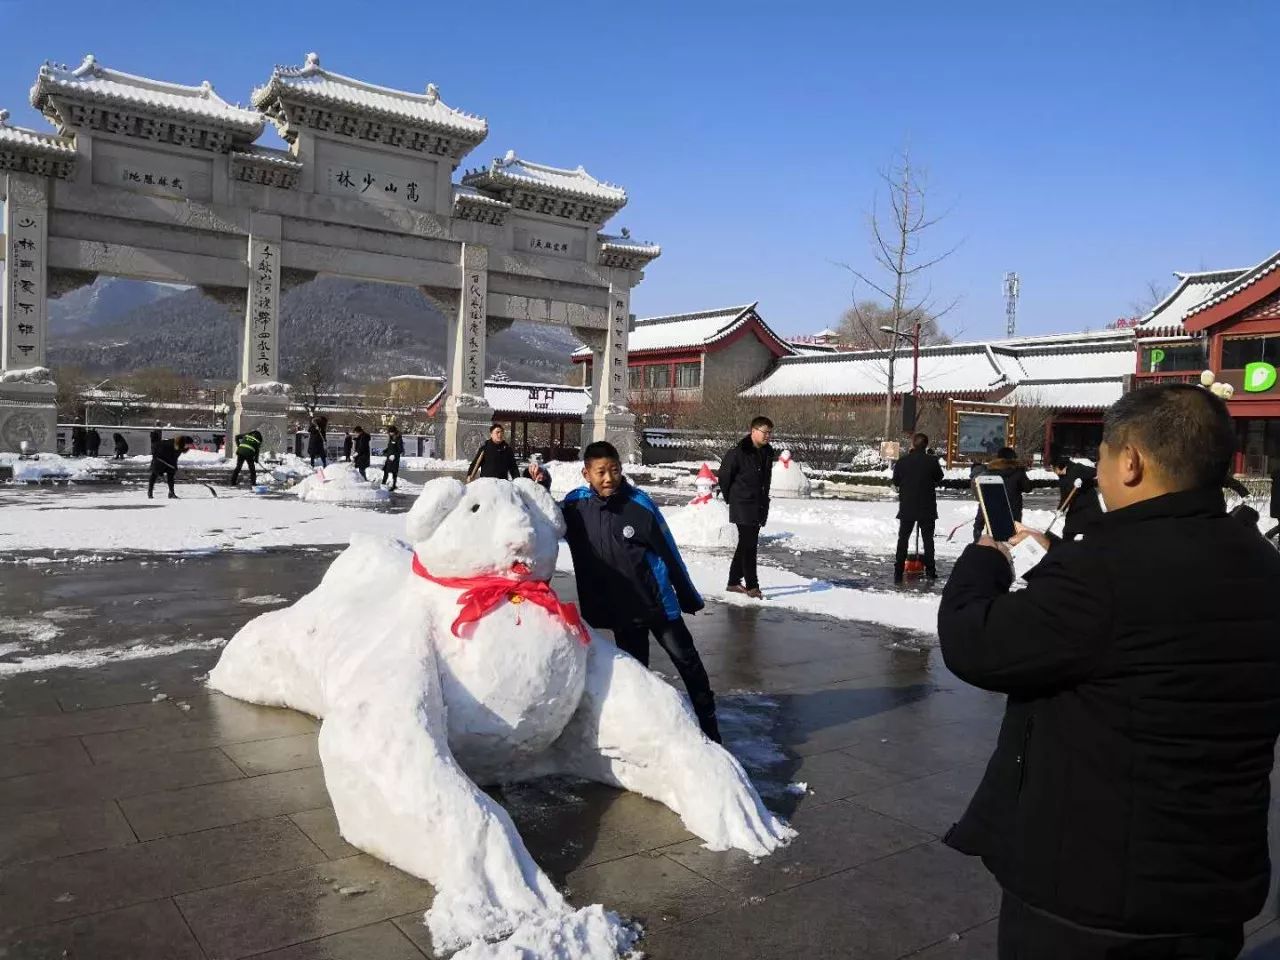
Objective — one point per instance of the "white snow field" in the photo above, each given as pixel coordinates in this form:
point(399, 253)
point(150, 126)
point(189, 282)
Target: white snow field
point(520, 690)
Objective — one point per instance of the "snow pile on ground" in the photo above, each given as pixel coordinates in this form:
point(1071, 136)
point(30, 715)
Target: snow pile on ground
point(340, 483)
point(431, 464)
point(291, 467)
point(592, 933)
point(97, 656)
point(703, 526)
point(513, 692)
point(788, 481)
point(52, 466)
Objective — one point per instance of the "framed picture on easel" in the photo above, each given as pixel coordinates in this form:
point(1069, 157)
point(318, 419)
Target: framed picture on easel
point(975, 431)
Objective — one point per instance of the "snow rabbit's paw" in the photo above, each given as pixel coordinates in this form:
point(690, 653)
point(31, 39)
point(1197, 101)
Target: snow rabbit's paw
point(734, 817)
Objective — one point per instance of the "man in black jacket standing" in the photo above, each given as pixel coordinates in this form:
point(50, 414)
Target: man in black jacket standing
point(1124, 810)
point(745, 474)
point(362, 452)
point(916, 477)
point(1083, 510)
point(495, 458)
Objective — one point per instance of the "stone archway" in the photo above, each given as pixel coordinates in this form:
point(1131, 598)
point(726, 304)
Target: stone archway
point(165, 182)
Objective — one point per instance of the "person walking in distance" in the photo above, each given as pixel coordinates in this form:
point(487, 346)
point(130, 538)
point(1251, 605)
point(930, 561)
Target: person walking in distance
point(916, 477)
point(1124, 811)
point(495, 458)
point(93, 440)
point(630, 577)
point(362, 454)
point(316, 444)
point(346, 445)
point(1083, 509)
point(392, 454)
point(746, 471)
point(121, 446)
point(248, 446)
point(164, 462)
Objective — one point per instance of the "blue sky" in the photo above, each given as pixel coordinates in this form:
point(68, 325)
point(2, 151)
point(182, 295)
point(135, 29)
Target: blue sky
point(1090, 147)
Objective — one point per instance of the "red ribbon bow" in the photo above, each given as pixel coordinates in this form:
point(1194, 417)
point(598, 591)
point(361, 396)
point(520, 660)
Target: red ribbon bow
point(481, 594)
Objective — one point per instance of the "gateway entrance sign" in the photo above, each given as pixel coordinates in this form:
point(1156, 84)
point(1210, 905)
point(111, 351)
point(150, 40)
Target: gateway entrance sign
point(159, 181)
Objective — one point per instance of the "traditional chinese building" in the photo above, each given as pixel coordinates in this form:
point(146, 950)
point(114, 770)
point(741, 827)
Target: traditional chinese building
point(164, 182)
point(679, 360)
point(1073, 377)
point(1226, 321)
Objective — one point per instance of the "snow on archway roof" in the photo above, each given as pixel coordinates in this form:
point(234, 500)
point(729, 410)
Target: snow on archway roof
point(94, 82)
point(510, 170)
point(314, 83)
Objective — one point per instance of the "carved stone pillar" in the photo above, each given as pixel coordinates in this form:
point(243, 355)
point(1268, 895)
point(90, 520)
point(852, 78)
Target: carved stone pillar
point(261, 400)
point(608, 417)
point(28, 409)
point(467, 414)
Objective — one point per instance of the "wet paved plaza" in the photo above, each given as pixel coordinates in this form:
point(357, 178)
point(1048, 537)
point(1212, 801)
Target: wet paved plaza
point(143, 816)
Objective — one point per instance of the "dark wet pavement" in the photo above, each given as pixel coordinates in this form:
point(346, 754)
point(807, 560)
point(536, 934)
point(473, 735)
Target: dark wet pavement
point(143, 816)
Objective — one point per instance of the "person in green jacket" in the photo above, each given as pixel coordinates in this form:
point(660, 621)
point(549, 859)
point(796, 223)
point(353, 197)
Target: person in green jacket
point(247, 447)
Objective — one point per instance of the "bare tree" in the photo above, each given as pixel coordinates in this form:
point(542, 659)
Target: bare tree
point(316, 371)
point(1153, 292)
point(897, 241)
point(860, 327)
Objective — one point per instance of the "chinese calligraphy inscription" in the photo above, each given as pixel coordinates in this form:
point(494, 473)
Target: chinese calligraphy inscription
point(25, 300)
point(616, 371)
point(262, 311)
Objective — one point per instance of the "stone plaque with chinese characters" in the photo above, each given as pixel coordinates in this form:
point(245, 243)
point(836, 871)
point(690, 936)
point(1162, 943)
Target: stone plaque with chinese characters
point(548, 239)
point(474, 310)
point(373, 178)
point(619, 325)
point(263, 310)
point(152, 171)
point(26, 308)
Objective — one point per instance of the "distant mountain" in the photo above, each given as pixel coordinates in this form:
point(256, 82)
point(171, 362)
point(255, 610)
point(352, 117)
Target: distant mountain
point(375, 330)
point(104, 301)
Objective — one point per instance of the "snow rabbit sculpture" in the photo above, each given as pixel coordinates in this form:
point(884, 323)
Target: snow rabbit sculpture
point(473, 673)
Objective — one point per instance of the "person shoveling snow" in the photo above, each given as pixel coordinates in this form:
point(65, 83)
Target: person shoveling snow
point(476, 673)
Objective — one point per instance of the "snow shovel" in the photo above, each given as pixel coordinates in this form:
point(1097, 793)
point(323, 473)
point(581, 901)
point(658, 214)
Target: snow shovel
point(915, 562)
point(199, 483)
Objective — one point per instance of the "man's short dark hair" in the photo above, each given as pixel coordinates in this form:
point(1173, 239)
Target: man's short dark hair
point(1007, 453)
point(1061, 463)
point(496, 426)
point(600, 450)
point(920, 441)
point(761, 422)
point(1184, 429)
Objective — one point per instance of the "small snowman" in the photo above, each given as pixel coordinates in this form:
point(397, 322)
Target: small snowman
point(704, 482)
point(788, 479)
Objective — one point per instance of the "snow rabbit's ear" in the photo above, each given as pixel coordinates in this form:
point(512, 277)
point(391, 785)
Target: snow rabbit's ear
point(437, 500)
point(540, 502)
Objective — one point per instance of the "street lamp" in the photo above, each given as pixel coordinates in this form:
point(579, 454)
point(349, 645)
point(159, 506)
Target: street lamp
point(914, 339)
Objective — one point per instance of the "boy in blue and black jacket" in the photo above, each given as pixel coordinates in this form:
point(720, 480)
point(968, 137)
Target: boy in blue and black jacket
point(631, 579)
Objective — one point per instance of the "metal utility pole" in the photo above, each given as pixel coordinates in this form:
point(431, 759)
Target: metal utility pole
point(1011, 285)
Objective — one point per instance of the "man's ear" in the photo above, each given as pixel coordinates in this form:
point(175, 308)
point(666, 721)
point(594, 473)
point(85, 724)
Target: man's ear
point(1133, 465)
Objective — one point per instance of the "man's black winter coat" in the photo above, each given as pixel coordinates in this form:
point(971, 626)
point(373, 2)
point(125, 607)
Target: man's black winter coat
point(166, 452)
point(625, 560)
point(745, 474)
point(917, 476)
point(496, 460)
point(1275, 495)
point(1129, 787)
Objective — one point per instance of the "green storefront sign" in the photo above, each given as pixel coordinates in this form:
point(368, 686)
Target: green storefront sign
point(1259, 377)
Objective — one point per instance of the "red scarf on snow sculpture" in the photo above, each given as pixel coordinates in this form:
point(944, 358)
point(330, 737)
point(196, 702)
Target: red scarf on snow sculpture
point(481, 594)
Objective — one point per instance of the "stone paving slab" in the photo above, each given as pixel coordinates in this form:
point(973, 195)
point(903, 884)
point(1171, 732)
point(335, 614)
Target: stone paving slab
point(199, 827)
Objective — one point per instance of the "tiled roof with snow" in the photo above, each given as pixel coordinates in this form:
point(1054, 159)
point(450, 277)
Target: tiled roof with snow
point(1192, 290)
point(268, 156)
point(91, 81)
point(313, 83)
point(1069, 395)
point(1067, 371)
point(465, 194)
point(627, 245)
point(511, 171)
point(1246, 279)
point(679, 331)
point(19, 138)
point(548, 399)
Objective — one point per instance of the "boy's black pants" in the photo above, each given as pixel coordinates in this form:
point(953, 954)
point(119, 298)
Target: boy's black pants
point(744, 557)
point(678, 642)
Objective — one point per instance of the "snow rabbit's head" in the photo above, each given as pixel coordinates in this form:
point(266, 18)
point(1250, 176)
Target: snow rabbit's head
point(486, 527)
